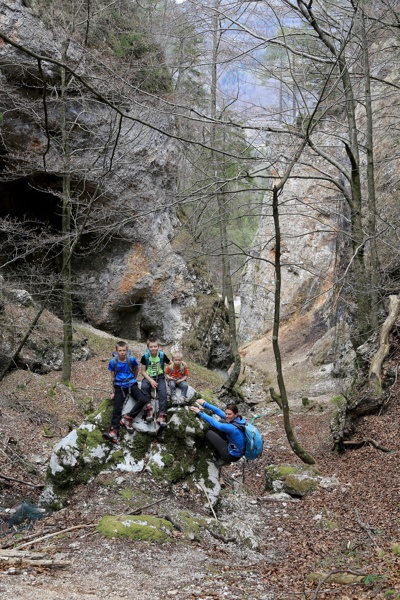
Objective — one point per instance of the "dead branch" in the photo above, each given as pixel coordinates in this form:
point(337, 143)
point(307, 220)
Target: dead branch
point(50, 535)
point(139, 510)
point(208, 499)
point(383, 350)
point(35, 485)
point(34, 559)
point(344, 576)
point(24, 539)
point(366, 528)
point(220, 537)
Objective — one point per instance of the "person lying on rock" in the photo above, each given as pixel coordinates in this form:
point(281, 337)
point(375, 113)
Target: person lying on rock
point(124, 369)
point(226, 440)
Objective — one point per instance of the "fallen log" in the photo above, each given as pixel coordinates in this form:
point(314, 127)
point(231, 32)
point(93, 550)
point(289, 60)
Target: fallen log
point(341, 577)
point(50, 535)
point(35, 485)
point(31, 559)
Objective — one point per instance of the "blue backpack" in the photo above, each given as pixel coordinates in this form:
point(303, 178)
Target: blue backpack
point(254, 442)
point(129, 357)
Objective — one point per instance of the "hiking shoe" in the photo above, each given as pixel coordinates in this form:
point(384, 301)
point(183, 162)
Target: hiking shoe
point(149, 413)
point(183, 401)
point(113, 436)
point(174, 400)
point(127, 421)
point(162, 420)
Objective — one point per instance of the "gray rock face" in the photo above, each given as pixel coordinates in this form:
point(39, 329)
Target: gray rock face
point(307, 219)
point(129, 279)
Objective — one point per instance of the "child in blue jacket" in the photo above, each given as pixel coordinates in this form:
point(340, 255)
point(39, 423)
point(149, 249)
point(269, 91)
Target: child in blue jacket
point(228, 441)
point(124, 369)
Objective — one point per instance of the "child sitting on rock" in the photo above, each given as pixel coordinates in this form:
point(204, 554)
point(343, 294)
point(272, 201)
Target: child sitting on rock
point(124, 369)
point(152, 363)
point(176, 374)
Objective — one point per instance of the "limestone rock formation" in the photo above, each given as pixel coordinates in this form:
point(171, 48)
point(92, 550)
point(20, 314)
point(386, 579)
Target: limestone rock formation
point(43, 351)
point(176, 454)
point(308, 220)
point(128, 277)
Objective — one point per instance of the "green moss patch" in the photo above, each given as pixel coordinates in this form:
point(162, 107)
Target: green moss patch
point(139, 528)
point(285, 472)
point(298, 484)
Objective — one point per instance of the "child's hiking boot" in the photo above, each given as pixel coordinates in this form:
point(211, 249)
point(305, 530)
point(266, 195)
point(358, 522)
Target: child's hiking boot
point(174, 400)
point(183, 401)
point(149, 413)
point(127, 421)
point(162, 420)
point(112, 436)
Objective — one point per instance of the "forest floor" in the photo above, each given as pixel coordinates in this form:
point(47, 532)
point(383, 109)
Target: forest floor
point(351, 528)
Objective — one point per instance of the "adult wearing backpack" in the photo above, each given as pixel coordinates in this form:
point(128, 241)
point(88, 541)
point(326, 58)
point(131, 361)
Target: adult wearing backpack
point(227, 440)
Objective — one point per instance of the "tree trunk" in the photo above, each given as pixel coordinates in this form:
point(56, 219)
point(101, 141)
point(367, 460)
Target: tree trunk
point(374, 260)
point(383, 350)
point(362, 288)
point(294, 444)
point(66, 236)
point(227, 290)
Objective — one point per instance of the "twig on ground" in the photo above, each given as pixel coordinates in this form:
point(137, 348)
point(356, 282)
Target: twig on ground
point(50, 535)
point(35, 485)
point(329, 575)
point(367, 529)
point(362, 442)
point(175, 525)
point(208, 500)
point(220, 537)
point(24, 539)
point(139, 510)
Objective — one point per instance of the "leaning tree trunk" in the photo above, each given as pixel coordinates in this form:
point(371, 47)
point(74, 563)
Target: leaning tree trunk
point(383, 350)
point(294, 444)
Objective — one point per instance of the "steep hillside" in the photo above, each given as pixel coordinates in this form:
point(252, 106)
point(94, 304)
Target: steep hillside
point(348, 526)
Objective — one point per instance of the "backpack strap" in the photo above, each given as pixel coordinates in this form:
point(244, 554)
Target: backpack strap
point(128, 358)
point(160, 353)
point(241, 426)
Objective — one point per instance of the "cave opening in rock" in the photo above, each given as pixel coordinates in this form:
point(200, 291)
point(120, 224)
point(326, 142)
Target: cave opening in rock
point(30, 200)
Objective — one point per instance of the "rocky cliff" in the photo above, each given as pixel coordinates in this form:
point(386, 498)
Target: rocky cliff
point(92, 129)
point(316, 221)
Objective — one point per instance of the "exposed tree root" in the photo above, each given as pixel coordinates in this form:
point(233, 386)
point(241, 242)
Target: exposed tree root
point(360, 443)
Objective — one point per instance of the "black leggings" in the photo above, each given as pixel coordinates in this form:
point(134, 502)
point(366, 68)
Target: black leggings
point(219, 444)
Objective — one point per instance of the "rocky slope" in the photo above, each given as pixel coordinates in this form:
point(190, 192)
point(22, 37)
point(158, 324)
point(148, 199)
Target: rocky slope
point(249, 548)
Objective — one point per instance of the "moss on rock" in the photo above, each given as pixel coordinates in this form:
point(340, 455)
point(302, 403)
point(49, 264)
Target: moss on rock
point(274, 473)
point(300, 484)
point(139, 528)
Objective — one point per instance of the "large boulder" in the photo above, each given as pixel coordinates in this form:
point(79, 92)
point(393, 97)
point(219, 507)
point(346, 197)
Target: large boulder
point(175, 454)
